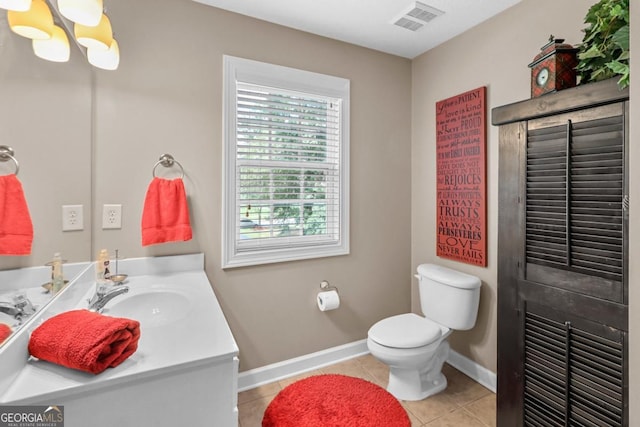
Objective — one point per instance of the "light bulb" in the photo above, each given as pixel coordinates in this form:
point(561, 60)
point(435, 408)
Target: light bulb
point(105, 59)
point(36, 23)
point(17, 5)
point(85, 12)
point(55, 49)
point(98, 37)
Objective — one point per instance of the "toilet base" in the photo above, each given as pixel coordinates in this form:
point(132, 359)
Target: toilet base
point(407, 383)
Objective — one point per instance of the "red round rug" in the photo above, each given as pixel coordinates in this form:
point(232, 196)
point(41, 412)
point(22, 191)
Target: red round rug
point(334, 401)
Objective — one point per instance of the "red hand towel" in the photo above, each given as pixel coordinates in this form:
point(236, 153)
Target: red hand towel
point(5, 332)
point(84, 340)
point(16, 229)
point(165, 217)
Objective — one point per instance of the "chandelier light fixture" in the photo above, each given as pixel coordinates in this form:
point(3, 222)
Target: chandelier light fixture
point(91, 28)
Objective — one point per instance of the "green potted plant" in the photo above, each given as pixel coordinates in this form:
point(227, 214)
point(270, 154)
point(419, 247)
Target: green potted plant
point(604, 52)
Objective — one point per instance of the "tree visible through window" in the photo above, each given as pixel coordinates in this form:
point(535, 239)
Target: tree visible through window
point(287, 153)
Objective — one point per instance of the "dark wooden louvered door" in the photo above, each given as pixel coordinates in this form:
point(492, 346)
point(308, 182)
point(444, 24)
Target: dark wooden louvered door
point(563, 259)
point(574, 250)
point(574, 202)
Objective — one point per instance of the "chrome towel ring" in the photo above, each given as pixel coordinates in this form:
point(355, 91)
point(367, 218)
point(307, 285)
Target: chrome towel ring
point(6, 154)
point(167, 160)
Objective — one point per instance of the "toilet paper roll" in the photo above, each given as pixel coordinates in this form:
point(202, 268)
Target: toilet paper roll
point(328, 300)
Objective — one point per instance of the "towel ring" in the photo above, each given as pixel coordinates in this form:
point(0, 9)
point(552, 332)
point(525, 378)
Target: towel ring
point(6, 154)
point(167, 161)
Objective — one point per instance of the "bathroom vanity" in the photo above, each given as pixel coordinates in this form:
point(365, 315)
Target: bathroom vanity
point(183, 373)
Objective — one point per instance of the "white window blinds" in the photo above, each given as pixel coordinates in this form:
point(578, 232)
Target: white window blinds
point(287, 188)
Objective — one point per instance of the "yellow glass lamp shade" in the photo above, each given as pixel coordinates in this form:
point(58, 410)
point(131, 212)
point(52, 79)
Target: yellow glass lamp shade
point(55, 49)
point(98, 37)
point(17, 5)
point(36, 23)
point(84, 12)
point(105, 59)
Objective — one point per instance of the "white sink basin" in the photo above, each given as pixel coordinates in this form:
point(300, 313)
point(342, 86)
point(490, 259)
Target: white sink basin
point(151, 308)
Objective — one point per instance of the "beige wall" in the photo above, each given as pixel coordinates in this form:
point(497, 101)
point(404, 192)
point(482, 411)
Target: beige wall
point(45, 115)
point(167, 97)
point(493, 54)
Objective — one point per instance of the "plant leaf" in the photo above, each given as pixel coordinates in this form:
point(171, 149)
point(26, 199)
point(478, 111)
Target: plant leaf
point(604, 52)
point(624, 81)
point(618, 67)
point(624, 56)
point(601, 74)
point(621, 37)
point(592, 52)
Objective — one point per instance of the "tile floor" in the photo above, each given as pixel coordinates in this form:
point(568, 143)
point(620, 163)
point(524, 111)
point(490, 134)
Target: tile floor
point(464, 403)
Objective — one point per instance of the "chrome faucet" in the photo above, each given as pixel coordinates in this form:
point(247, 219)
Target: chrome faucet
point(102, 297)
point(20, 308)
point(10, 309)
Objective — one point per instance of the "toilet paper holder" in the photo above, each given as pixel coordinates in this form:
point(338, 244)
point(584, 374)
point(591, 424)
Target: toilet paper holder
point(325, 286)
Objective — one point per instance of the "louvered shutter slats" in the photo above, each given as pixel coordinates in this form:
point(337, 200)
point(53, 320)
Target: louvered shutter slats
point(545, 371)
point(546, 195)
point(574, 192)
point(572, 376)
point(598, 170)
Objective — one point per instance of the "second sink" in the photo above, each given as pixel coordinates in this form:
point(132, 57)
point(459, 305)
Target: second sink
point(151, 307)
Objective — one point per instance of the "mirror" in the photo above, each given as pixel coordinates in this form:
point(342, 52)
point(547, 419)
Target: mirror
point(46, 117)
point(24, 291)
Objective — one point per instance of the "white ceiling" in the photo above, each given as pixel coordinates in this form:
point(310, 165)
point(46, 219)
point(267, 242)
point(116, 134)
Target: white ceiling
point(369, 23)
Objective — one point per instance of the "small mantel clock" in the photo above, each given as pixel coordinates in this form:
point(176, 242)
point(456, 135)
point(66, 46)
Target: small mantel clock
point(553, 69)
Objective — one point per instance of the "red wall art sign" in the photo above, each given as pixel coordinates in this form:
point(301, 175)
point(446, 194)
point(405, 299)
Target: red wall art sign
point(461, 173)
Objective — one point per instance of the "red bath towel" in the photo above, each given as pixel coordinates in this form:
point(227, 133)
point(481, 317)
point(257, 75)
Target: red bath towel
point(5, 332)
point(16, 229)
point(165, 217)
point(84, 340)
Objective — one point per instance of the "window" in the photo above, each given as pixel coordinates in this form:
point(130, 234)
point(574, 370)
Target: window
point(286, 161)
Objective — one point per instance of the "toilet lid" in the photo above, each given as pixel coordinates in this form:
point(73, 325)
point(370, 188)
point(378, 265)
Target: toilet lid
point(405, 331)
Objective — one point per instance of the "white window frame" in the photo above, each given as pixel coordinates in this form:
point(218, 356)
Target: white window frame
point(259, 73)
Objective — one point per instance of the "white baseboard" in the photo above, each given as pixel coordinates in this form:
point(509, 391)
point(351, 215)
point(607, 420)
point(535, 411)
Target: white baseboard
point(476, 372)
point(299, 365)
point(309, 362)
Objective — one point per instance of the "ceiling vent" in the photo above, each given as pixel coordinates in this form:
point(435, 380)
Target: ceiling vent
point(416, 16)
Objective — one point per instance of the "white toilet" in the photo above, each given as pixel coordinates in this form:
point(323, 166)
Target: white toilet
point(415, 347)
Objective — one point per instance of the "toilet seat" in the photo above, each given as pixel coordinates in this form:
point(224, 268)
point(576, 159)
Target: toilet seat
point(405, 331)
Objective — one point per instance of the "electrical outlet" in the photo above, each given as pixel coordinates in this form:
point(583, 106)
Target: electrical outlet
point(111, 216)
point(72, 218)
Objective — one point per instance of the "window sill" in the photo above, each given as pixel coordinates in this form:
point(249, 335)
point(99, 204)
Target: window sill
point(247, 259)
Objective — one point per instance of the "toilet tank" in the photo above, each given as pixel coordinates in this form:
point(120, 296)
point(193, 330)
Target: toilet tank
point(448, 297)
